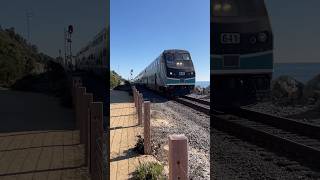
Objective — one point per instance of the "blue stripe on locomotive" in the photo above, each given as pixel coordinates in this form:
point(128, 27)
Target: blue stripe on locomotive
point(264, 61)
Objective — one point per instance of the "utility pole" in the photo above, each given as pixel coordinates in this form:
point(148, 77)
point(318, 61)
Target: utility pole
point(29, 16)
point(59, 59)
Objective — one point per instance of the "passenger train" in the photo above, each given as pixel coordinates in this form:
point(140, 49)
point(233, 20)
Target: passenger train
point(172, 73)
point(241, 52)
point(93, 57)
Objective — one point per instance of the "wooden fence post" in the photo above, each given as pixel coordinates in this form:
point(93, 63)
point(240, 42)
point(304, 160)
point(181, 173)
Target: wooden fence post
point(134, 95)
point(81, 113)
point(76, 82)
point(137, 98)
point(147, 138)
point(178, 157)
point(88, 98)
point(140, 105)
point(80, 93)
point(96, 145)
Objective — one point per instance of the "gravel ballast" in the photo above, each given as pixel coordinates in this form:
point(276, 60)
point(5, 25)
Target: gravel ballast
point(303, 113)
point(237, 159)
point(232, 158)
point(172, 118)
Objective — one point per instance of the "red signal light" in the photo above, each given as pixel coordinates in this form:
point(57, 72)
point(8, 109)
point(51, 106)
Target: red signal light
point(70, 29)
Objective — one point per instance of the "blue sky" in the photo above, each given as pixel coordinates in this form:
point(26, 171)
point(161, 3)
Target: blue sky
point(296, 30)
point(51, 16)
point(142, 29)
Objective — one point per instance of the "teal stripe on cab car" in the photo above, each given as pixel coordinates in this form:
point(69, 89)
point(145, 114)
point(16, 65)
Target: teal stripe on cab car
point(177, 81)
point(255, 62)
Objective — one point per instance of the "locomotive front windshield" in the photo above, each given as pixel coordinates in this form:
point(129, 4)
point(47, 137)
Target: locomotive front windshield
point(239, 8)
point(177, 56)
point(180, 60)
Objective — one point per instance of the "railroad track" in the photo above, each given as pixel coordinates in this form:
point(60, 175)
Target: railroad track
point(194, 103)
point(292, 138)
point(201, 101)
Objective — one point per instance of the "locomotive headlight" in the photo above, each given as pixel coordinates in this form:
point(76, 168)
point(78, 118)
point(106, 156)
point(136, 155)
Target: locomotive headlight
point(191, 73)
point(170, 73)
point(262, 37)
point(227, 7)
point(253, 40)
point(217, 7)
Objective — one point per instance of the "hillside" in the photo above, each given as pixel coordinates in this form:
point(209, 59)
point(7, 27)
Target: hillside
point(115, 79)
point(18, 58)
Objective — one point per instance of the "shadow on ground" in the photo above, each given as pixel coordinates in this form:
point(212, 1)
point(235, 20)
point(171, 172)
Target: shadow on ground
point(28, 111)
point(152, 96)
point(127, 154)
point(117, 96)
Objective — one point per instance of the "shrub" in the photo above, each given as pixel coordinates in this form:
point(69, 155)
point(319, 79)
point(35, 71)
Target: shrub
point(149, 171)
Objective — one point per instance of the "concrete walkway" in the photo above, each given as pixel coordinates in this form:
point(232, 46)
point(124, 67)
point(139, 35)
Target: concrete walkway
point(41, 155)
point(124, 130)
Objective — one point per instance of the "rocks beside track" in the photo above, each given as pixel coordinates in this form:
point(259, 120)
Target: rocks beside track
point(291, 98)
point(286, 90)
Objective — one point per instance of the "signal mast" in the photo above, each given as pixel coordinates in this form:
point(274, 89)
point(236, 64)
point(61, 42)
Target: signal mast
point(68, 47)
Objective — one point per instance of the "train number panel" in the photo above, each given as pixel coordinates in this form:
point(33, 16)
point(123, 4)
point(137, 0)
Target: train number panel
point(230, 38)
point(241, 52)
point(172, 72)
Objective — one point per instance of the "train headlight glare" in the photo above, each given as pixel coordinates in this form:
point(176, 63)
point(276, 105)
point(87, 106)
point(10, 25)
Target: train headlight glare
point(227, 7)
point(170, 73)
point(262, 37)
point(217, 7)
point(253, 40)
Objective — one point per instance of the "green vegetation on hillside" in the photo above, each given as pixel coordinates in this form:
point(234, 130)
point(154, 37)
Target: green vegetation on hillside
point(18, 58)
point(115, 79)
point(23, 68)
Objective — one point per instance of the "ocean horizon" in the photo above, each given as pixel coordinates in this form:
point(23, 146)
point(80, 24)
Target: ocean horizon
point(202, 84)
point(302, 72)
